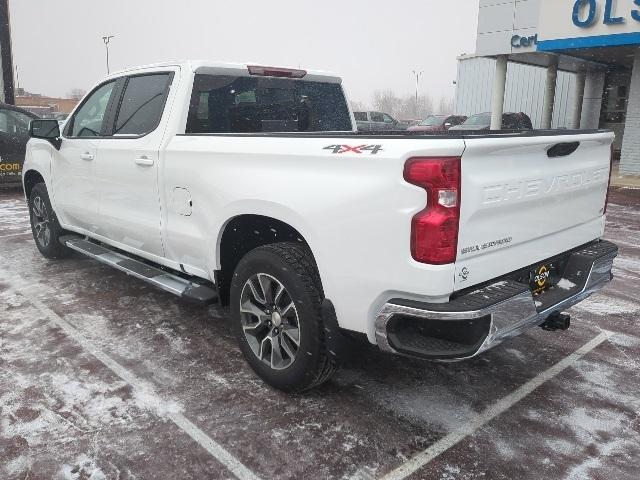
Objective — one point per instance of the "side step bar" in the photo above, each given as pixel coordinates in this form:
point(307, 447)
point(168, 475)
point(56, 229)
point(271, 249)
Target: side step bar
point(182, 287)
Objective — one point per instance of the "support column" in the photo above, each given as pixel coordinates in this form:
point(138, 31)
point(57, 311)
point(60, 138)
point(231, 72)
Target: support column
point(6, 59)
point(630, 157)
point(577, 101)
point(499, 85)
point(592, 101)
point(549, 94)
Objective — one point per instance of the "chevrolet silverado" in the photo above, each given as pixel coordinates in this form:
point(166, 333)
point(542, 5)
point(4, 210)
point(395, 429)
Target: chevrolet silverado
point(250, 186)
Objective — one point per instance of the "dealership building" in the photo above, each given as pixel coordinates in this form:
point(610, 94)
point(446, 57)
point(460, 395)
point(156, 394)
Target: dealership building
point(565, 63)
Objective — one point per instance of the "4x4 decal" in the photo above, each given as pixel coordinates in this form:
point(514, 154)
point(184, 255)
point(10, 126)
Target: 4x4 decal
point(372, 149)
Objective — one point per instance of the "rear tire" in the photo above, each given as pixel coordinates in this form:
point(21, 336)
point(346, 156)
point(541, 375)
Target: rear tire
point(276, 299)
point(44, 224)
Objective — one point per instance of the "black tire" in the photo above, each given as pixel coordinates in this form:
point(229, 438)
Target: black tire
point(292, 266)
point(44, 224)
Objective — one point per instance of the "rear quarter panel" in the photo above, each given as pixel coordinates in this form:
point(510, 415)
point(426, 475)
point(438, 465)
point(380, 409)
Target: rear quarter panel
point(353, 209)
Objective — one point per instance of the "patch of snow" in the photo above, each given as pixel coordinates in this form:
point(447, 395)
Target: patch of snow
point(14, 301)
point(604, 305)
point(504, 449)
point(624, 340)
point(450, 472)
point(84, 468)
point(18, 466)
point(214, 378)
point(585, 424)
point(149, 400)
point(565, 284)
point(562, 446)
point(516, 353)
point(424, 404)
point(175, 342)
point(626, 267)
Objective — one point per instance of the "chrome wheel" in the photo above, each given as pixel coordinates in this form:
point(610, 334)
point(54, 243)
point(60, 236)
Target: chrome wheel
point(41, 225)
point(270, 321)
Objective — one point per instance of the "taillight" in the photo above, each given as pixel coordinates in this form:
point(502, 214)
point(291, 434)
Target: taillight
point(276, 72)
point(606, 200)
point(434, 231)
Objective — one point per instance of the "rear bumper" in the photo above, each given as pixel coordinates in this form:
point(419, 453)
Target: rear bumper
point(479, 320)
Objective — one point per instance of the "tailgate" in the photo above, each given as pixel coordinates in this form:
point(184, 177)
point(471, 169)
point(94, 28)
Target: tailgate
point(521, 205)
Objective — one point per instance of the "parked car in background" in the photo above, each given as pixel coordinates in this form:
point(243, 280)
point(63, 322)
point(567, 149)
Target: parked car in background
point(14, 135)
point(377, 122)
point(438, 123)
point(405, 124)
point(510, 121)
point(59, 116)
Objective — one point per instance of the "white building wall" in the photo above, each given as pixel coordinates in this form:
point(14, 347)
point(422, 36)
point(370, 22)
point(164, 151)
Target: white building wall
point(524, 92)
point(630, 158)
point(500, 20)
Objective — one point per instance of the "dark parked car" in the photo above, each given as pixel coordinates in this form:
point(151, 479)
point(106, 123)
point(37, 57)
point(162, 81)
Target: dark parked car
point(510, 121)
point(377, 122)
point(14, 134)
point(438, 123)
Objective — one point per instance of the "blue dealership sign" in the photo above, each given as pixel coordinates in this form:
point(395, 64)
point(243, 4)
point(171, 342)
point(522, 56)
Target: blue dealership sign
point(585, 13)
point(589, 24)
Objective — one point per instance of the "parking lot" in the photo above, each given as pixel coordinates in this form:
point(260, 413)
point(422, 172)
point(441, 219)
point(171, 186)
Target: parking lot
point(102, 376)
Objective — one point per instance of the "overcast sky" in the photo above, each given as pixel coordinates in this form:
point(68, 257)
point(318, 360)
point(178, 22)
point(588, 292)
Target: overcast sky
point(372, 44)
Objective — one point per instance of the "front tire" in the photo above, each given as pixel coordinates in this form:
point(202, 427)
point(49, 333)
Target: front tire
point(44, 224)
point(276, 300)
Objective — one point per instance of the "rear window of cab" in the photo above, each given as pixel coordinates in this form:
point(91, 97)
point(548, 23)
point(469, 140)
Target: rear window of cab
point(228, 104)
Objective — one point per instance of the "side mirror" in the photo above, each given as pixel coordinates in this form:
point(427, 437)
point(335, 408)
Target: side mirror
point(46, 130)
point(448, 125)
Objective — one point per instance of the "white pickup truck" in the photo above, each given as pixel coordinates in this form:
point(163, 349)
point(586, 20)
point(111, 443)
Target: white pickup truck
point(249, 186)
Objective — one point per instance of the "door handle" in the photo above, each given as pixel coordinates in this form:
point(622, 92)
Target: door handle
point(144, 161)
point(86, 156)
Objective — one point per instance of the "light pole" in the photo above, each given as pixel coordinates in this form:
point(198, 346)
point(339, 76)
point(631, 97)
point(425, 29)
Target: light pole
point(417, 75)
point(106, 41)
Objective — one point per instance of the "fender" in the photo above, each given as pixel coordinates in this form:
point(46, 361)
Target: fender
point(39, 157)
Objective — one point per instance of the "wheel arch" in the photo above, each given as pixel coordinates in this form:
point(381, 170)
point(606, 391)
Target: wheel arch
point(244, 232)
point(30, 179)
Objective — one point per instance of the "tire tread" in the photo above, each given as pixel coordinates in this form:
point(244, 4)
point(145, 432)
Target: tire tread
point(55, 249)
point(300, 258)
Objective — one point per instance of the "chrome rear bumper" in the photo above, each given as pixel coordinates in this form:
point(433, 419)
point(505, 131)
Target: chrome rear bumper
point(496, 312)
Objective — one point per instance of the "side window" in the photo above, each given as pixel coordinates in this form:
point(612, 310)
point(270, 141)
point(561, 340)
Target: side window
point(388, 119)
point(360, 116)
point(89, 120)
point(377, 117)
point(14, 123)
point(142, 104)
point(250, 104)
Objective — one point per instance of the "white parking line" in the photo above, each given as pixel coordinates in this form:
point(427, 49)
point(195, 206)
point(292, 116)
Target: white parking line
point(215, 449)
point(423, 458)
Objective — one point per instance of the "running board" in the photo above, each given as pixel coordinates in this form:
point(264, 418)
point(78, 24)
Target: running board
point(182, 287)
